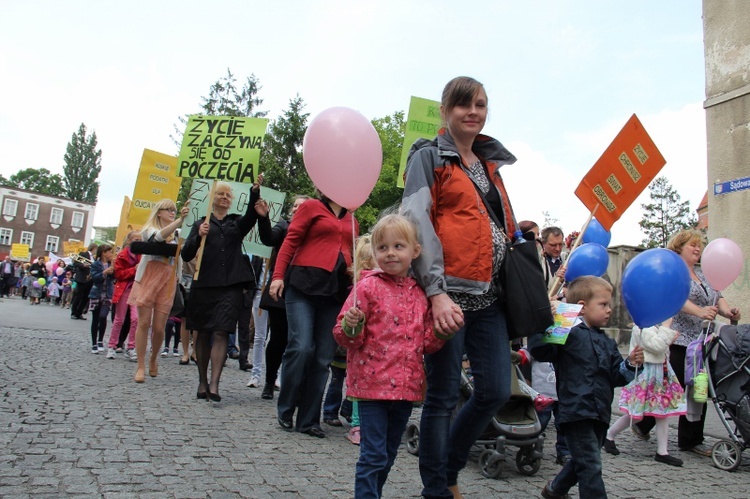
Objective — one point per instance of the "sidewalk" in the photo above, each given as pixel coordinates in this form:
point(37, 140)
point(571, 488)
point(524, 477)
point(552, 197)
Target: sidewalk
point(75, 424)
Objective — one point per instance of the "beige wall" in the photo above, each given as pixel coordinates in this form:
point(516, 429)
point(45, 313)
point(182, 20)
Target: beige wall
point(726, 27)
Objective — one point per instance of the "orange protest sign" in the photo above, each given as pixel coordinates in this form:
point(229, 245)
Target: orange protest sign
point(627, 166)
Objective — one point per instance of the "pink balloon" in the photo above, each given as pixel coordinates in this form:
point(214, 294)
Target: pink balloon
point(343, 156)
point(721, 263)
point(59, 271)
point(50, 266)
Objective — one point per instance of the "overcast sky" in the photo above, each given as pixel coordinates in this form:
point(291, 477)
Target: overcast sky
point(562, 79)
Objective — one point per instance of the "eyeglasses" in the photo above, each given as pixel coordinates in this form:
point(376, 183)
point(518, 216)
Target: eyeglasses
point(170, 210)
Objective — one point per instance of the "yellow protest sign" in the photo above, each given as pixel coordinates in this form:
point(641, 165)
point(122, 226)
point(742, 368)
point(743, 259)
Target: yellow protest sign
point(73, 247)
point(222, 148)
point(423, 122)
point(157, 179)
point(123, 227)
point(20, 252)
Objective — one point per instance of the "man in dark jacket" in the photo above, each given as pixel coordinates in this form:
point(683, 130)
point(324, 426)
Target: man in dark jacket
point(83, 281)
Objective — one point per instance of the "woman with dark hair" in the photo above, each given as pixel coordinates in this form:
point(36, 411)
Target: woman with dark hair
point(100, 296)
point(452, 183)
point(312, 268)
point(126, 264)
point(216, 297)
point(277, 323)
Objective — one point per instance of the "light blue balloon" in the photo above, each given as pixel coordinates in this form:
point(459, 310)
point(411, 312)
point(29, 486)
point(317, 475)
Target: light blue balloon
point(595, 233)
point(588, 259)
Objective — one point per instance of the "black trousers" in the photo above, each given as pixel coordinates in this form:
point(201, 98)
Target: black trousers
point(243, 325)
point(279, 330)
point(81, 299)
point(689, 433)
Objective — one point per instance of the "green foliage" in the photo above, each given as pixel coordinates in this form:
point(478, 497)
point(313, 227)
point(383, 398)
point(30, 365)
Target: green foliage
point(281, 159)
point(39, 180)
point(665, 215)
point(386, 194)
point(224, 99)
point(83, 163)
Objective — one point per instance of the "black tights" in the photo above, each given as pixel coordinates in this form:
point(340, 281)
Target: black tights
point(99, 322)
point(279, 330)
point(214, 351)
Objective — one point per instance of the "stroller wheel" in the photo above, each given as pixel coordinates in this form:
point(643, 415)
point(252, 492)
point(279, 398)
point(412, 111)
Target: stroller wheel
point(489, 464)
point(525, 461)
point(726, 455)
point(412, 439)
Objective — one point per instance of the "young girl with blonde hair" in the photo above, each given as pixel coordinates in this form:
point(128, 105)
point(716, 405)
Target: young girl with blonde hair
point(155, 285)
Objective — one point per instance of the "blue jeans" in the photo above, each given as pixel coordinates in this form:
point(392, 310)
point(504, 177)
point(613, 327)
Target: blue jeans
point(444, 447)
point(585, 439)
point(382, 424)
point(308, 353)
point(332, 403)
point(560, 446)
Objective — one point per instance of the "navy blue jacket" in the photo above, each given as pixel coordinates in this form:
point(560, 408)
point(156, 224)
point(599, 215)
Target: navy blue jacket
point(588, 368)
point(104, 285)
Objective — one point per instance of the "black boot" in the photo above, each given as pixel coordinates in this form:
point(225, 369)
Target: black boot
point(267, 391)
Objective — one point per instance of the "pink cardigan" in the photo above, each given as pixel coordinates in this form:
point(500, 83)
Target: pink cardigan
point(385, 360)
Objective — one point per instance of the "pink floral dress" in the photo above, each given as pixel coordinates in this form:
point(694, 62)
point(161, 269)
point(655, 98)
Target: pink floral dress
point(655, 391)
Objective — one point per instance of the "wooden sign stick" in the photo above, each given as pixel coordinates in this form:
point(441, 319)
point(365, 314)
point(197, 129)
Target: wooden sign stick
point(199, 257)
point(555, 285)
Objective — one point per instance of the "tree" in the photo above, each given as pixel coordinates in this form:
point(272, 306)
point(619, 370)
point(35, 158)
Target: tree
point(386, 194)
point(223, 100)
point(83, 163)
point(665, 215)
point(281, 158)
point(39, 180)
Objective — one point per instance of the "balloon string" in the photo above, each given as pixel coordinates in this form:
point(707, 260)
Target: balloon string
point(354, 263)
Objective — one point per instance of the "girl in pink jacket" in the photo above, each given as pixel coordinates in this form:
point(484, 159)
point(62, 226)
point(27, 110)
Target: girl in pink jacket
point(386, 326)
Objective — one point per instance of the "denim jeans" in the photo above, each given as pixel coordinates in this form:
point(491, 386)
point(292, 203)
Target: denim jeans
point(308, 353)
point(444, 446)
point(382, 425)
point(560, 446)
point(584, 439)
point(332, 403)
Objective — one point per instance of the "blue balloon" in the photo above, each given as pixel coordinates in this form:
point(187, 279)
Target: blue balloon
point(655, 286)
point(595, 233)
point(588, 259)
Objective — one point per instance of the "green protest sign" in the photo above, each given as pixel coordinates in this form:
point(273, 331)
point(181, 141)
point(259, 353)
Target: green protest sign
point(199, 192)
point(423, 122)
point(221, 148)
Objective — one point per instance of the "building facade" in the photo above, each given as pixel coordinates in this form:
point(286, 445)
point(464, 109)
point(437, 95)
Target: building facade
point(42, 222)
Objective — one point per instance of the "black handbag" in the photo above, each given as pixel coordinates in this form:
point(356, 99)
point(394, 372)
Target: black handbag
point(521, 289)
point(178, 304)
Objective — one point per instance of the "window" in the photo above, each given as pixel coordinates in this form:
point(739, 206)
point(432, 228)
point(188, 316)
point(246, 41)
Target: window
point(32, 211)
point(77, 219)
point(6, 236)
point(10, 206)
point(27, 238)
point(52, 243)
point(56, 216)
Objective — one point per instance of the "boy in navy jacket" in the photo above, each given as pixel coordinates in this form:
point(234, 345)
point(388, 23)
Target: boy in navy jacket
point(589, 367)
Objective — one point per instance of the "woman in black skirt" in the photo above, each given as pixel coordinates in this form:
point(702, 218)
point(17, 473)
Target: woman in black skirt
point(216, 296)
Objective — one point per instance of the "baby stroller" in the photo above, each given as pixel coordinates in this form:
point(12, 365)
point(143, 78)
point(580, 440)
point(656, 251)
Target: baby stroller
point(515, 424)
point(728, 357)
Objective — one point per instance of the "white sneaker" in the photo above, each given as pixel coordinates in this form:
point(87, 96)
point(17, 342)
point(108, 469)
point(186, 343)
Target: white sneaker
point(94, 349)
point(100, 347)
point(111, 354)
point(254, 382)
point(165, 352)
point(131, 355)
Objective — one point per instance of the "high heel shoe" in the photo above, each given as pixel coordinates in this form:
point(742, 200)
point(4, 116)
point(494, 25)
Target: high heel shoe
point(139, 377)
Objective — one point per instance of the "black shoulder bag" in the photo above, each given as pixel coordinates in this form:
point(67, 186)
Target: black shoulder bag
point(521, 288)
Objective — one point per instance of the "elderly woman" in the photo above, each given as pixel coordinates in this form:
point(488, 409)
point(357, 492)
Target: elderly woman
point(216, 297)
point(703, 303)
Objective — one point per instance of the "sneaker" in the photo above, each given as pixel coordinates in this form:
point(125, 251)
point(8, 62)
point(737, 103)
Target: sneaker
point(175, 352)
point(165, 352)
point(118, 350)
point(547, 493)
point(94, 349)
point(610, 447)
point(353, 435)
point(100, 347)
point(701, 450)
point(541, 402)
point(111, 353)
point(667, 459)
point(254, 382)
point(131, 355)
point(638, 433)
point(561, 459)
